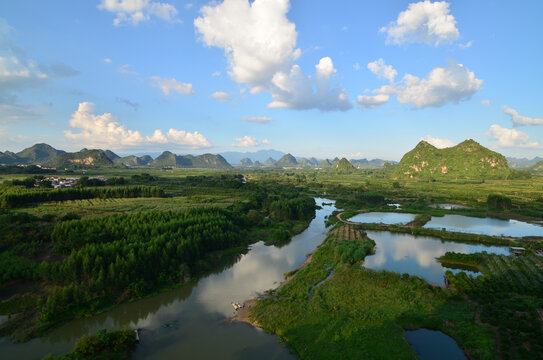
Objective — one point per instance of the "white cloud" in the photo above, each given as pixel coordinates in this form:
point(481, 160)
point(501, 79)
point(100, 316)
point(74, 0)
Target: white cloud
point(504, 137)
point(125, 69)
point(485, 102)
point(258, 119)
point(357, 155)
point(382, 70)
point(18, 72)
point(103, 131)
point(466, 45)
point(295, 90)
point(439, 143)
point(245, 141)
point(108, 60)
point(220, 95)
point(519, 119)
point(216, 73)
point(370, 102)
point(356, 66)
point(266, 142)
point(135, 11)
point(452, 83)
point(169, 85)
point(423, 22)
point(259, 43)
point(257, 38)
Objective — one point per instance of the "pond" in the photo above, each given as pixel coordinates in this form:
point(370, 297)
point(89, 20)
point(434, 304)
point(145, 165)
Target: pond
point(431, 344)
point(416, 255)
point(190, 322)
point(485, 226)
point(389, 218)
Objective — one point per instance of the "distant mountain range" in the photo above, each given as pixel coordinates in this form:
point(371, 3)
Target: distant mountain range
point(523, 163)
point(47, 156)
point(468, 160)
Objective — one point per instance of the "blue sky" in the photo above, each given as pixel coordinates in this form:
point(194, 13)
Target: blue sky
point(313, 78)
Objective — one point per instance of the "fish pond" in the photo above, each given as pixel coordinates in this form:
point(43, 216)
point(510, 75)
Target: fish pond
point(484, 226)
point(417, 255)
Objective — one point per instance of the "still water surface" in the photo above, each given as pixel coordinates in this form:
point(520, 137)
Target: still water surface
point(389, 218)
point(189, 322)
point(431, 345)
point(485, 226)
point(416, 255)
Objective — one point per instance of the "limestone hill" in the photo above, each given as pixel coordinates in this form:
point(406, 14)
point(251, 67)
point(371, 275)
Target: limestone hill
point(468, 160)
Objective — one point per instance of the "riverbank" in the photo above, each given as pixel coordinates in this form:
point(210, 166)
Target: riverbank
point(360, 313)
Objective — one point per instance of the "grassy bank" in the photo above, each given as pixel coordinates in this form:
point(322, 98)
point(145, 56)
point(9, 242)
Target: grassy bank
point(359, 313)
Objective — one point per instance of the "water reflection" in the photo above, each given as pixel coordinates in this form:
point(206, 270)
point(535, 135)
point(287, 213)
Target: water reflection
point(416, 255)
point(388, 218)
point(485, 226)
point(189, 322)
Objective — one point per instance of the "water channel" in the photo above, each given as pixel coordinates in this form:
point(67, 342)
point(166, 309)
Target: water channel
point(190, 322)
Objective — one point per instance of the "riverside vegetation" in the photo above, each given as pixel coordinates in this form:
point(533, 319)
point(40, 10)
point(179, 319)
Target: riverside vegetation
point(62, 257)
point(56, 266)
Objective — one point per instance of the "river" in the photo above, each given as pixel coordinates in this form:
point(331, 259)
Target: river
point(190, 322)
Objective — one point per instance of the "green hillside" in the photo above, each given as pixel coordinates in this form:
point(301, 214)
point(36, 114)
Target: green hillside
point(207, 161)
point(343, 166)
point(287, 161)
point(42, 154)
point(468, 160)
point(133, 160)
point(537, 166)
point(83, 159)
point(9, 158)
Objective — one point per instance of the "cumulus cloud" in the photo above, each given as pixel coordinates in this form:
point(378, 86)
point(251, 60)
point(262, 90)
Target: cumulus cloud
point(451, 83)
point(266, 142)
point(444, 84)
point(257, 38)
point(135, 11)
point(520, 119)
point(485, 102)
point(382, 70)
point(103, 131)
point(438, 143)
point(504, 137)
point(220, 95)
point(260, 46)
point(216, 73)
point(108, 60)
point(258, 120)
point(423, 22)
point(356, 66)
point(370, 102)
point(169, 85)
point(295, 90)
point(245, 141)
